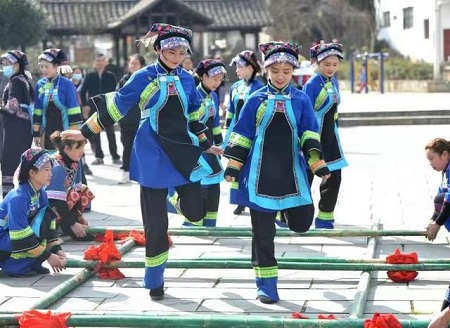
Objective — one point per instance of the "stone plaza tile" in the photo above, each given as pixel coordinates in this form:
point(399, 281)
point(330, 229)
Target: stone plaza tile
point(330, 307)
point(18, 291)
point(212, 293)
point(385, 306)
point(240, 306)
point(54, 280)
point(194, 282)
point(77, 303)
point(312, 294)
point(238, 242)
point(21, 282)
point(217, 273)
point(18, 304)
point(143, 303)
point(428, 251)
point(403, 293)
point(427, 306)
point(186, 240)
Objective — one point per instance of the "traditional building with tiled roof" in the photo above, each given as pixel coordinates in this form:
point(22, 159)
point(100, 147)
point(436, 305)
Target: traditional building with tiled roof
point(125, 18)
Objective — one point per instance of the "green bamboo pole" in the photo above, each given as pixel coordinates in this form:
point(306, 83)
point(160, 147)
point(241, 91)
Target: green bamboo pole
point(64, 288)
point(220, 264)
point(322, 260)
point(247, 232)
point(210, 321)
point(360, 299)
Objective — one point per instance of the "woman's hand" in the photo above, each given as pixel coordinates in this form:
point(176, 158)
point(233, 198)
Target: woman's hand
point(37, 141)
point(432, 230)
point(61, 254)
point(79, 229)
point(57, 263)
point(230, 178)
point(325, 177)
point(214, 150)
point(72, 135)
point(441, 320)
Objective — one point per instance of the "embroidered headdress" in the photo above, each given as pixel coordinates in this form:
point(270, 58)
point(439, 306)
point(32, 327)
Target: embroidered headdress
point(246, 58)
point(280, 52)
point(167, 36)
point(18, 57)
point(57, 57)
point(325, 50)
point(210, 67)
point(36, 157)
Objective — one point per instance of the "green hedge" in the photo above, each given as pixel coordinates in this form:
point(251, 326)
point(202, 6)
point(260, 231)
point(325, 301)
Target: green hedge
point(394, 69)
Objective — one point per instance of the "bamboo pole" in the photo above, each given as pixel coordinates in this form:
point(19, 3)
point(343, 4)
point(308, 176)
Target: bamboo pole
point(360, 299)
point(247, 232)
point(64, 288)
point(130, 319)
point(221, 264)
point(324, 260)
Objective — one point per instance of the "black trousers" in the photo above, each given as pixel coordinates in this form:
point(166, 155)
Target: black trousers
point(127, 134)
point(155, 217)
point(96, 143)
point(299, 219)
point(329, 191)
point(211, 194)
point(16, 139)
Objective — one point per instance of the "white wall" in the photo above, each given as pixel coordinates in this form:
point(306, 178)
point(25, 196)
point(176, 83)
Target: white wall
point(410, 42)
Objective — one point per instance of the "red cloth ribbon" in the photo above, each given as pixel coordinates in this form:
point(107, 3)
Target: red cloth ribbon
point(298, 315)
point(382, 321)
point(326, 317)
point(37, 319)
point(137, 236)
point(105, 253)
point(402, 258)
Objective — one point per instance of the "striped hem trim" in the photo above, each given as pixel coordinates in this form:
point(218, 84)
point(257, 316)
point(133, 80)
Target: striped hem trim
point(326, 215)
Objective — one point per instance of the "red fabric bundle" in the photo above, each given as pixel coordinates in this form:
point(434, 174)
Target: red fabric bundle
point(326, 317)
point(402, 258)
point(382, 321)
point(105, 253)
point(298, 315)
point(37, 319)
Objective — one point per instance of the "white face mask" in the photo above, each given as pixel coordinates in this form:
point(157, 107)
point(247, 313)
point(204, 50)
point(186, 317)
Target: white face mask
point(77, 76)
point(8, 71)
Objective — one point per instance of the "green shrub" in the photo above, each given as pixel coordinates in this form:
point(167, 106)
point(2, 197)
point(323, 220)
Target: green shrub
point(394, 69)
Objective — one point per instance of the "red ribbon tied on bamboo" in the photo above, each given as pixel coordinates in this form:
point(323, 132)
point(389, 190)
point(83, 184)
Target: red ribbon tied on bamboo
point(105, 253)
point(402, 258)
point(382, 321)
point(37, 319)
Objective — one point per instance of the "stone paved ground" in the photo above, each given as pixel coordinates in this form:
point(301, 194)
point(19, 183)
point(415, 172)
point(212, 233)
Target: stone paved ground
point(388, 181)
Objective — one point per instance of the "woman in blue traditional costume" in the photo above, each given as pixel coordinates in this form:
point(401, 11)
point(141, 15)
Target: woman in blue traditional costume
point(211, 73)
point(323, 90)
point(272, 142)
point(247, 68)
point(28, 235)
point(17, 111)
point(56, 106)
point(167, 150)
point(67, 195)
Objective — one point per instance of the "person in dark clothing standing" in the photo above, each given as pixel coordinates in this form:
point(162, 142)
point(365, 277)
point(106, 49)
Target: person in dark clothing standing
point(98, 82)
point(16, 111)
point(130, 123)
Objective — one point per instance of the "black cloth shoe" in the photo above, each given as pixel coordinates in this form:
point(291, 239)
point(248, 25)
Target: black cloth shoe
point(239, 209)
point(40, 270)
point(157, 294)
point(265, 299)
point(87, 170)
